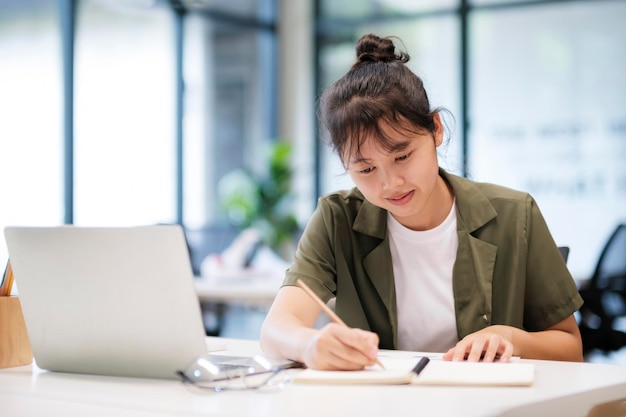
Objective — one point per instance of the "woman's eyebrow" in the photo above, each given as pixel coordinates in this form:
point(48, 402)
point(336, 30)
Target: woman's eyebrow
point(396, 147)
point(360, 160)
point(399, 146)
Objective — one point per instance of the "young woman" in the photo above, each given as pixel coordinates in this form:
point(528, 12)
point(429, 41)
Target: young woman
point(417, 259)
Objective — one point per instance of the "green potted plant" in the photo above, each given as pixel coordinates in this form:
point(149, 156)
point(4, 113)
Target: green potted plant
point(263, 200)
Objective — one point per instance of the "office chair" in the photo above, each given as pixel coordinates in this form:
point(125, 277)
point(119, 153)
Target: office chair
point(564, 252)
point(605, 297)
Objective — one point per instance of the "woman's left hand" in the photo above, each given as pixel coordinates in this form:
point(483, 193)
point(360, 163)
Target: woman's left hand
point(487, 345)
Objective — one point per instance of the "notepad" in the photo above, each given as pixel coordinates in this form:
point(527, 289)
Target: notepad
point(437, 372)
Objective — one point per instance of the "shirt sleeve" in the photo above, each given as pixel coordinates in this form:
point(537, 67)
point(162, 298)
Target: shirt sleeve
point(551, 292)
point(314, 260)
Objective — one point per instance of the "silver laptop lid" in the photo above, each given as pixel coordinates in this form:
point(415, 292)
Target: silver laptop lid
point(111, 301)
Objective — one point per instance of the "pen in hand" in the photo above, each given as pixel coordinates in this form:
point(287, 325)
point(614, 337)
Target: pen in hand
point(334, 317)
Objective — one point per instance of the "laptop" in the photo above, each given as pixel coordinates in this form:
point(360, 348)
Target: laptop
point(108, 301)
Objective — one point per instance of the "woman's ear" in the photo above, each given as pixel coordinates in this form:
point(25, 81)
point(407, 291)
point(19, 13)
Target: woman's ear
point(438, 131)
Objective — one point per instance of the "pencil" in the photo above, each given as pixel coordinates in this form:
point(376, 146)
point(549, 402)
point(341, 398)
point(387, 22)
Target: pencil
point(7, 281)
point(334, 317)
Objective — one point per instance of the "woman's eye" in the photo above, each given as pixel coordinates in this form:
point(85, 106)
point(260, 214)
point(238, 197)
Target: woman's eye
point(403, 157)
point(366, 170)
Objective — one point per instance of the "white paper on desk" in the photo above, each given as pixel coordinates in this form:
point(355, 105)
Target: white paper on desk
point(364, 377)
point(437, 372)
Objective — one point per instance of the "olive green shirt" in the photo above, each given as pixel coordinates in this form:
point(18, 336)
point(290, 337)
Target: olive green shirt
point(508, 269)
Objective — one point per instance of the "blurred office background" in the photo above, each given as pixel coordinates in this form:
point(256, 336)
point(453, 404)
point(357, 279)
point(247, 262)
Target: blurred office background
point(127, 112)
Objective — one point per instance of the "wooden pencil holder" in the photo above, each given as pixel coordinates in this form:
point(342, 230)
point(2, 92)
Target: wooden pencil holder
point(15, 349)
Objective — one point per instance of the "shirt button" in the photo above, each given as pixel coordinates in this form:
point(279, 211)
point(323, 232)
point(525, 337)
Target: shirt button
point(485, 318)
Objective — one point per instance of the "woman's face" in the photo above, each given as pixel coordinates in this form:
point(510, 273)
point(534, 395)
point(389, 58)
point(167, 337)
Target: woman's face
point(404, 181)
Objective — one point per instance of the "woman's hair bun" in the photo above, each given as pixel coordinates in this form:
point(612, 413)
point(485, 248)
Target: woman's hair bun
point(372, 48)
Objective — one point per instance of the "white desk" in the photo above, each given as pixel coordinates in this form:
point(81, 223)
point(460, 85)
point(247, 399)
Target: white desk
point(560, 389)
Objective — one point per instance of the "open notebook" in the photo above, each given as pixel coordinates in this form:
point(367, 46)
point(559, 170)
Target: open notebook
point(436, 372)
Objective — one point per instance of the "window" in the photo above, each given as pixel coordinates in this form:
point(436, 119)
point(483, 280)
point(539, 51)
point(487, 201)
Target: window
point(125, 135)
point(230, 111)
point(547, 100)
point(31, 148)
point(124, 115)
point(379, 8)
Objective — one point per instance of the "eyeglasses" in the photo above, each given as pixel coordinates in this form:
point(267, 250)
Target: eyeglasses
point(205, 375)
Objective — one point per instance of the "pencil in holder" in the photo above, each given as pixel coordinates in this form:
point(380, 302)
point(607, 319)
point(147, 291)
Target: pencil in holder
point(15, 349)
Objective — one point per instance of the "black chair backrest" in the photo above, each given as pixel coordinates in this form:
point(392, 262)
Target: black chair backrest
point(611, 267)
point(605, 297)
point(564, 252)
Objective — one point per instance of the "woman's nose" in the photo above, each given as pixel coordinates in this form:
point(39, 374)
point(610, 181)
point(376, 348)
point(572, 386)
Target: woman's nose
point(391, 178)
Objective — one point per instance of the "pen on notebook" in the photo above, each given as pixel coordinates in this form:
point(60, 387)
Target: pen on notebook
point(334, 317)
point(421, 365)
point(7, 281)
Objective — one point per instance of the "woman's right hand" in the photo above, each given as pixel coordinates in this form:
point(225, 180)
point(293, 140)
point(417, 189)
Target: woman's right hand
point(288, 332)
point(341, 348)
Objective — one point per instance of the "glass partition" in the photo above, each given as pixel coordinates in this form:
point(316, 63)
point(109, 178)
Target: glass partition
point(124, 114)
point(31, 144)
point(230, 109)
point(371, 8)
point(547, 110)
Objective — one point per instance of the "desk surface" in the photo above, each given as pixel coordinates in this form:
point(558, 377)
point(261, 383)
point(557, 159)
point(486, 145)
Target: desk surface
point(568, 389)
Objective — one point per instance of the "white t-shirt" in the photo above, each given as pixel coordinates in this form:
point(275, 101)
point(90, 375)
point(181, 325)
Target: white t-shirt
point(422, 266)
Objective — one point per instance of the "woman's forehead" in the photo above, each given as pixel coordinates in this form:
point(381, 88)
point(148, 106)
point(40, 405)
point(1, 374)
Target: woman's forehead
point(390, 146)
point(370, 148)
point(385, 136)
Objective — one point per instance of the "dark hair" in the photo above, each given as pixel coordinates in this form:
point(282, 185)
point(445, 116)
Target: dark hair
point(378, 87)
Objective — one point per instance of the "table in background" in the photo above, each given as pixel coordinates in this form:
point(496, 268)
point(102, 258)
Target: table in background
point(560, 389)
point(253, 292)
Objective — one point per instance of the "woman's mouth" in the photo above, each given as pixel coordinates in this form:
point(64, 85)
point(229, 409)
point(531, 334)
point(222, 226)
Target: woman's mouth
point(401, 199)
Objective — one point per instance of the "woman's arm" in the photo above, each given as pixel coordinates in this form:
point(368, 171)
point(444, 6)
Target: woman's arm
point(288, 332)
point(559, 342)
